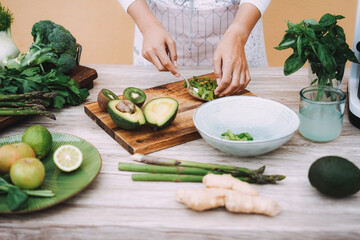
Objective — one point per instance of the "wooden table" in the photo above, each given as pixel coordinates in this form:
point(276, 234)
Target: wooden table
point(115, 207)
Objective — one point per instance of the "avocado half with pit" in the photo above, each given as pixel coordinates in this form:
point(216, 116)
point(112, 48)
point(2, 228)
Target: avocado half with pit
point(126, 114)
point(161, 112)
point(135, 95)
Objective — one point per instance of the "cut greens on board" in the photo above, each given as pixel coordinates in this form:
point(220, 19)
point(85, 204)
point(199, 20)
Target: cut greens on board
point(205, 87)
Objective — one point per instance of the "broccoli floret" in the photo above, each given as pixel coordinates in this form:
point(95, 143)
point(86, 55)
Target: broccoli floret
point(41, 30)
point(61, 41)
point(65, 63)
point(53, 47)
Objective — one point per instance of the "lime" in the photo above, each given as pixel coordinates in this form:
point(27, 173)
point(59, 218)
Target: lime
point(39, 138)
point(68, 158)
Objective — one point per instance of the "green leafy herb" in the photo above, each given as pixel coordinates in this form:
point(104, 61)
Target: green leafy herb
point(6, 18)
point(32, 79)
point(17, 197)
point(229, 135)
point(205, 86)
point(319, 42)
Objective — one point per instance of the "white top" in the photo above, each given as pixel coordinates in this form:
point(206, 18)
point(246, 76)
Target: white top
point(197, 27)
point(203, 4)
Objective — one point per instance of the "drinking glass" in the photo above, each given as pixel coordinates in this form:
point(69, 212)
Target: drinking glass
point(321, 112)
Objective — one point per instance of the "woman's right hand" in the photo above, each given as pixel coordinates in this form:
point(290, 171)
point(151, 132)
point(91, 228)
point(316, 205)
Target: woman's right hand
point(159, 48)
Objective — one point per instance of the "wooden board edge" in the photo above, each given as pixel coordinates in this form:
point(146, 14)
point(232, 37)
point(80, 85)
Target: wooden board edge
point(160, 146)
point(98, 121)
point(8, 120)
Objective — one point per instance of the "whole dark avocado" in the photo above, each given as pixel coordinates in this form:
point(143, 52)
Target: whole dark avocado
point(335, 176)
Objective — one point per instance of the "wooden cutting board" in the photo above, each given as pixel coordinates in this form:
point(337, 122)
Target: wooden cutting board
point(145, 140)
point(85, 76)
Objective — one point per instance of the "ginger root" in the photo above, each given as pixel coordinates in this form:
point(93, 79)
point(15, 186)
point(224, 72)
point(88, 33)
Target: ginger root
point(201, 199)
point(241, 203)
point(229, 182)
point(222, 191)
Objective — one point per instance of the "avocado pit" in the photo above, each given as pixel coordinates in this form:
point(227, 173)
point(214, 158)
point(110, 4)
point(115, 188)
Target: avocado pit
point(126, 106)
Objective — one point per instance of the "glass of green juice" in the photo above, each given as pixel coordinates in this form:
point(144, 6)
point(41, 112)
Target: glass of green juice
point(321, 112)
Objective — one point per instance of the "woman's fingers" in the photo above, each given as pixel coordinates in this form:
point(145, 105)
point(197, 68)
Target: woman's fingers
point(160, 49)
point(152, 57)
point(235, 84)
point(217, 67)
point(165, 61)
point(171, 46)
point(225, 80)
point(247, 77)
point(236, 77)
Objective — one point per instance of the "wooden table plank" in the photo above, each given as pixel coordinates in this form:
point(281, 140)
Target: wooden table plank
point(115, 207)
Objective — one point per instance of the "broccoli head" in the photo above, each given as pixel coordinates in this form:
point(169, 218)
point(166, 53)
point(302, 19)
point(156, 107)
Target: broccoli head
point(53, 46)
point(61, 41)
point(41, 30)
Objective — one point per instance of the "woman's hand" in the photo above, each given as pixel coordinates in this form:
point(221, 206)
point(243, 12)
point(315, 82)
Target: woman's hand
point(159, 48)
point(230, 65)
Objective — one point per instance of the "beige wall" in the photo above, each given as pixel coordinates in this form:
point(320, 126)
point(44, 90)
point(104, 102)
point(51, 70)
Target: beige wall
point(280, 11)
point(106, 32)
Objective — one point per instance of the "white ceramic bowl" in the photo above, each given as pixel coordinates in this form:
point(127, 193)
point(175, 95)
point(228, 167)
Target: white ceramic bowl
point(270, 123)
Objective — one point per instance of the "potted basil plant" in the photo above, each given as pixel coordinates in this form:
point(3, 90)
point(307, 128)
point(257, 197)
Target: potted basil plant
point(323, 44)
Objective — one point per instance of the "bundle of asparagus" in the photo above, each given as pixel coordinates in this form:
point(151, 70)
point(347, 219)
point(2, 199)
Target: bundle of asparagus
point(31, 103)
point(172, 170)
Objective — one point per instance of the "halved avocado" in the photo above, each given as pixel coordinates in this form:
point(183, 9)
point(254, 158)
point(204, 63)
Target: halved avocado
point(104, 97)
point(126, 120)
point(161, 112)
point(135, 95)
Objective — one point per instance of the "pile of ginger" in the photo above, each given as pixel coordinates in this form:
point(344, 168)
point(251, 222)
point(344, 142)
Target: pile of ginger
point(229, 192)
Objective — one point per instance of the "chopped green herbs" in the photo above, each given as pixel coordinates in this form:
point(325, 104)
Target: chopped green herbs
point(229, 135)
point(205, 85)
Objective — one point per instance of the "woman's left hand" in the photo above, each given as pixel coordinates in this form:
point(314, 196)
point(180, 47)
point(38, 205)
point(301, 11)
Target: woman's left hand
point(230, 65)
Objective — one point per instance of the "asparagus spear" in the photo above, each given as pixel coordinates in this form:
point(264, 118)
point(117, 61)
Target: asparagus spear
point(12, 97)
point(22, 104)
point(50, 95)
point(191, 171)
point(15, 112)
point(166, 177)
point(28, 95)
point(172, 177)
point(256, 174)
point(33, 101)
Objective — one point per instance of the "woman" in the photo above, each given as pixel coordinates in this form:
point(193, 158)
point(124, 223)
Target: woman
point(200, 32)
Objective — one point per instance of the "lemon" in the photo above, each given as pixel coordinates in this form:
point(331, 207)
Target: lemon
point(39, 138)
point(68, 158)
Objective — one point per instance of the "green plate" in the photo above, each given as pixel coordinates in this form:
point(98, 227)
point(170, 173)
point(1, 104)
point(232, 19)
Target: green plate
point(64, 185)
